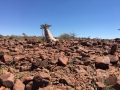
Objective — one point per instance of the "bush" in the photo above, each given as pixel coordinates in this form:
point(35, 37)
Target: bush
point(13, 37)
point(64, 36)
point(1, 36)
point(67, 36)
point(72, 35)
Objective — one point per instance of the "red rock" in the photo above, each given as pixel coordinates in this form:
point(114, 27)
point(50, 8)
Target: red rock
point(100, 85)
point(113, 49)
point(64, 88)
point(43, 56)
point(79, 57)
point(11, 70)
point(46, 88)
point(117, 85)
point(1, 54)
point(86, 60)
point(102, 62)
point(2, 88)
point(25, 68)
point(41, 80)
point(8, 59)
point(83, 49)
point(18, 85)
point(111, 80)
point(63, 60)
point(29, 86)
point(113, 58)
point(27, 79)
point(7, 79)
point(19, 57)
point(79, 88)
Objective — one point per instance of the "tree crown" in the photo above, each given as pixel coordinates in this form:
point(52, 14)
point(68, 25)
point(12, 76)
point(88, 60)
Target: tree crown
point(44, 26)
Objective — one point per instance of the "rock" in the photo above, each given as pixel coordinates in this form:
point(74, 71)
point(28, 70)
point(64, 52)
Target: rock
point(29, 45)
point(83, 49)
point(19, 57)
point(8, 59)
point(63, 60)
point(86, 60)
point(29, 86)
point(41, 80)
point(79, 88)
point(43, 57)
point(78, 57)
point(18, 85)
point(113, 59)
point(90, 69)
point(2, 56)
point(47, 88)
point(25, 68)
point(117, 84)
point(102, 62)
point(67, 80)
point(2, 88)
point(113, 49)
point(2, 63)
point(7, 89)
point(39, 64)
point(100, 86)
point(111, 80)
point(27, 79)
point(11, 70)
point(7, 79)
point(64, 88)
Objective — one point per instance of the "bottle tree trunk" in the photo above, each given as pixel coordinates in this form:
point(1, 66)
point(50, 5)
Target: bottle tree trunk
point(48, 36)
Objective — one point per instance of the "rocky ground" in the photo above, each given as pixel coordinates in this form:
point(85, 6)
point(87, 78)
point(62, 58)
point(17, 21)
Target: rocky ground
point(79, 64)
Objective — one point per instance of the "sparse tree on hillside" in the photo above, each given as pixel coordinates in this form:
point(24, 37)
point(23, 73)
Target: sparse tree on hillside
point(48, 35)
point(24, 34)
point(72, 35)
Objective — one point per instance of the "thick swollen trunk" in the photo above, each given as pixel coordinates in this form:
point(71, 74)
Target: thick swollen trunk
point(49, 36)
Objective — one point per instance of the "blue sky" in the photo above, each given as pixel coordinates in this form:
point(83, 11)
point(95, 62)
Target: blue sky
point(94, 18)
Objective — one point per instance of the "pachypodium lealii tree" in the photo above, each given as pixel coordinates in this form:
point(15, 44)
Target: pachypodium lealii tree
point(48, 36)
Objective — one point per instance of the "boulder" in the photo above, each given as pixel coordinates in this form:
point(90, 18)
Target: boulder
point(113, 49)
point(41, 80)
point(102, 62)
point(7, 80)
point(8, 59)
point(113, 59)
point(29, 86)
point(18, 85)
point(63, 60)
